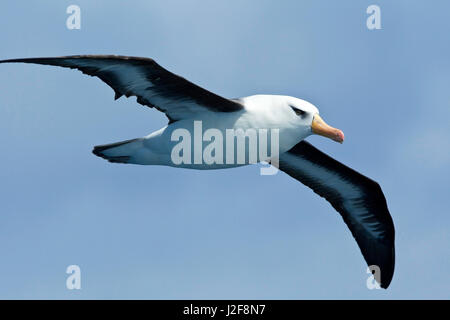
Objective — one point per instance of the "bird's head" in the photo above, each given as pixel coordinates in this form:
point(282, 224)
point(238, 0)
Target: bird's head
point(306, 115)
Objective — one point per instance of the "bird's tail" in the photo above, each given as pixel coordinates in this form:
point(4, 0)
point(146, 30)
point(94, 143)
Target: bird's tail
point(119, 152)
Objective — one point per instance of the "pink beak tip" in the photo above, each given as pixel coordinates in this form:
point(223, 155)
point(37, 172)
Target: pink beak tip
point(339, 136)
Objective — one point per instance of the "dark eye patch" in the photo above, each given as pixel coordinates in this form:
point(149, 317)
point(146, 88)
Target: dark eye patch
point(298, 111)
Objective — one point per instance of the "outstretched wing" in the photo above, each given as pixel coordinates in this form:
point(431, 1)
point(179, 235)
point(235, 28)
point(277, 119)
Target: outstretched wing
point(357, 198)
point(153, 85)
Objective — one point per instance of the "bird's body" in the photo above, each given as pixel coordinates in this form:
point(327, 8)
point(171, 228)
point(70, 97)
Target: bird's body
point(263, 112)
point(200, 119)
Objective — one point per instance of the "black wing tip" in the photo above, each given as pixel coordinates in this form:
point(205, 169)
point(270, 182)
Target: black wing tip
point(385, 284)
point(384, 263)
point(12, 60)
point(390, 274)
point(386, 279)
point(30, 60)
point(81, 56)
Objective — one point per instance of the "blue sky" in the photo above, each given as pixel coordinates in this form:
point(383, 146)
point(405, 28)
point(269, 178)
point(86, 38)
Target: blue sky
point(162, 233)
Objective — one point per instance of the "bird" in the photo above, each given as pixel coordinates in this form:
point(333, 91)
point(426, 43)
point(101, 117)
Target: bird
point(358, 199)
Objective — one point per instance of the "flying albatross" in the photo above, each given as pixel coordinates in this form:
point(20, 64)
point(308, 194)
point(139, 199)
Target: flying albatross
point(358, 199)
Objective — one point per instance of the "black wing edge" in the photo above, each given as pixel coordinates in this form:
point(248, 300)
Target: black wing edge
point(376, 251)
point(195, 92)
point(58, 62)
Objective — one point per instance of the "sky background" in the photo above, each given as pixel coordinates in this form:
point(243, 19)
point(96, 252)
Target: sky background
point(163, 233)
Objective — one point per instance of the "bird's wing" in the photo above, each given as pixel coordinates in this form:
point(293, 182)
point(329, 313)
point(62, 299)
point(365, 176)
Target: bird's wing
point(153, 85)
point(357, 198)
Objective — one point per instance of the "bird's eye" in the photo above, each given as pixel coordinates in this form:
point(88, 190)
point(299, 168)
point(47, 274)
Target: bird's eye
point(298, 111)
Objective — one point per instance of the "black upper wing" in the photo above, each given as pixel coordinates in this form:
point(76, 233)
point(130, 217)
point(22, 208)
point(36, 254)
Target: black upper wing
point(153, 85)
point(357, 198)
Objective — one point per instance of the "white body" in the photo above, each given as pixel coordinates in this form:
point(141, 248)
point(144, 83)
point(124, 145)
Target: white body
point(260, 112)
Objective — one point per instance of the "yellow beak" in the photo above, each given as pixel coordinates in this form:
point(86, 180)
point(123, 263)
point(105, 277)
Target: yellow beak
point(319, 127)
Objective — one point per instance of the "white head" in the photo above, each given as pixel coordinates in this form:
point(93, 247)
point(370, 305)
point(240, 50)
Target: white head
point(295, 118)
point(305, 116)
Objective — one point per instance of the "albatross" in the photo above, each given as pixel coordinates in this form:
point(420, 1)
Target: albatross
point(358, 199)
